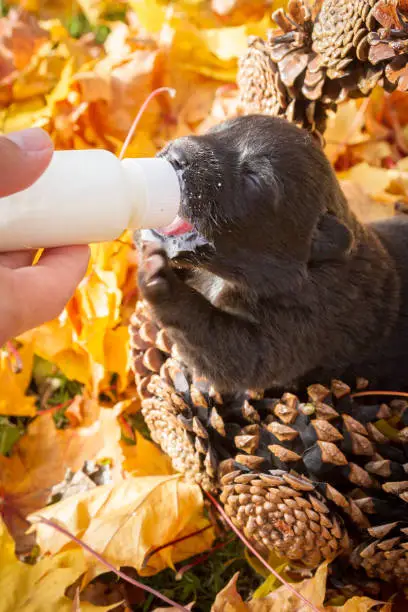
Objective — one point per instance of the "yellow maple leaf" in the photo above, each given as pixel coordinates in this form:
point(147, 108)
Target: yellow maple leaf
point(230, 43)
point(13, 385)
point(49, 61)
point(213, 52)
point(41, 75)
point(190, 49)
point(124, 522)
point(154, 15)
point(114, 256)
point(151, 15)
point(374, 181)
point(98, 301)
point(99, 296)
point(194, 38)
point(57, 342)
point(93, 9)
point(384, 185)
point(47, 9)
point(143, 458)
point(117, 356)
point(226, 43)
point(35, 588)
point(61, 90)
point(364, 206)
point(344, 128)
point(22, 115)
point(243, 11)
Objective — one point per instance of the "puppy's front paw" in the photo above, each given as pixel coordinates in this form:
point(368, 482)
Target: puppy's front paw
point(155, 274)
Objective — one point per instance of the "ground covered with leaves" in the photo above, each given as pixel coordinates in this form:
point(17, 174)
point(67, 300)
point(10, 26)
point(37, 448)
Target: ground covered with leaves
point(83, 491)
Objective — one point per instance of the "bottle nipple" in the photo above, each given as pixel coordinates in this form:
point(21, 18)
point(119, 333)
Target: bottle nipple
point(155, 190)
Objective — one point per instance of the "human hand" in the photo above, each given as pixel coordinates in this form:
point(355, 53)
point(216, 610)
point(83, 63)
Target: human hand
point(31, 295)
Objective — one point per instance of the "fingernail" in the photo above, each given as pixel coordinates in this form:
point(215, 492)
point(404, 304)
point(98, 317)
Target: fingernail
point(32, 140)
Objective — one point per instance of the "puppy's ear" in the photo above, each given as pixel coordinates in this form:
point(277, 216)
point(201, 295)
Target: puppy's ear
point(331, 239)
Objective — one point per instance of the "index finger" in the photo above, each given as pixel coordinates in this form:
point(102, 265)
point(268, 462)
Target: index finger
point(39, 293)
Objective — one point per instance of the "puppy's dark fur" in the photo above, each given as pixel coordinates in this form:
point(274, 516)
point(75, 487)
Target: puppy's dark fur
point(292, 287)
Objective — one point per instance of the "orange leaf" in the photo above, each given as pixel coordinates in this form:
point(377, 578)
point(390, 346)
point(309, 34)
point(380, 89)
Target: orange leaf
point(20, 38)
point(30, 588)
point(13, 400)
point(40, 460)
point(117, 355)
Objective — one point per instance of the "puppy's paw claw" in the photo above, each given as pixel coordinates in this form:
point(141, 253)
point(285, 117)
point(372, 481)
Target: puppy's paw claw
point(155, 274)
point(154, 267)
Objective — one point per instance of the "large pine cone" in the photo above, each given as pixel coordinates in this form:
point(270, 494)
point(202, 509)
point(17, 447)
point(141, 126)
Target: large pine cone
point(317, 58)
point(309, 479)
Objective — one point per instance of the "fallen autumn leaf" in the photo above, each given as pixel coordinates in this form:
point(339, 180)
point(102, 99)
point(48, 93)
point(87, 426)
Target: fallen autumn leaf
point(124, 522)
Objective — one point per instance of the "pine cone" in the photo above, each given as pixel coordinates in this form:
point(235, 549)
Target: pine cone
point(317, 59)
point(274, 77)
point(390, 43)
point(309, 479)
point(285, 513)
point(340, 34)
point(168, 406)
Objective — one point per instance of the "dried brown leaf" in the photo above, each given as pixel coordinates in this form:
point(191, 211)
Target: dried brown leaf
point(282, 600)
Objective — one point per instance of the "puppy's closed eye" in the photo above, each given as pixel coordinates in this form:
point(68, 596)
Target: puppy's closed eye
point(257, 174)
point(252, 180)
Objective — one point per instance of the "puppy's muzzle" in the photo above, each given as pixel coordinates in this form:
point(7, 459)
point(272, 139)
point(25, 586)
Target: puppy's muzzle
point(187, 248)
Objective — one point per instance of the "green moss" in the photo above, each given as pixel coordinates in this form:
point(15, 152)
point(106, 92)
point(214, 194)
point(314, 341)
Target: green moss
point(204, 581)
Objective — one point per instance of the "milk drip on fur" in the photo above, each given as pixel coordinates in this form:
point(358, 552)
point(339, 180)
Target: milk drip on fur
point(89, 196)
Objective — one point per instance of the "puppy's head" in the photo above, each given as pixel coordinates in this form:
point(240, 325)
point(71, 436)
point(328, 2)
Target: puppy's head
point(259, 200)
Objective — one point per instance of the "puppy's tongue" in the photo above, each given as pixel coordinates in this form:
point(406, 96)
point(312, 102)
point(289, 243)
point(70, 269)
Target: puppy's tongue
point(177, 227)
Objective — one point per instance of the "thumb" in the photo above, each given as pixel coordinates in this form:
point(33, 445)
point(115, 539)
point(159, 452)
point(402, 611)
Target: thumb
point(24, 156)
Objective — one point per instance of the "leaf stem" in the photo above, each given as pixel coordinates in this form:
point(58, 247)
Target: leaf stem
point(171, 543)
point(55, 408)
point(153, 94)
point(112, 568)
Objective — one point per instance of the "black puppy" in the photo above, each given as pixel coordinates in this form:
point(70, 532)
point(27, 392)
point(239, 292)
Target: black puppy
point(285, 284)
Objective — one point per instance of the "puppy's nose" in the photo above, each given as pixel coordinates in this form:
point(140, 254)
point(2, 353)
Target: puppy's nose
point(176, 155)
